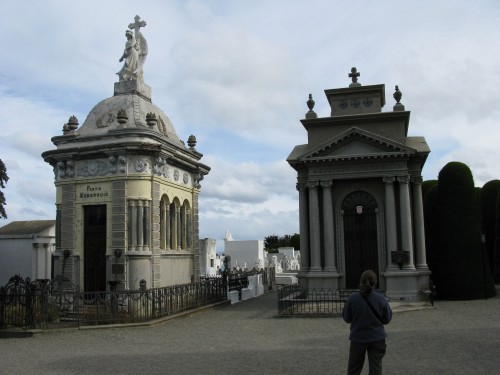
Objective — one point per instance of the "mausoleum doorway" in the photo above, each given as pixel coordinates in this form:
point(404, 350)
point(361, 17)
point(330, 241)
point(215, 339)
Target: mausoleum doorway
point(94, 248)
point(360, 236)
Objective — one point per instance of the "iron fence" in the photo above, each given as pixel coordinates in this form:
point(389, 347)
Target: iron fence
point(44, 303)
point(294, 301)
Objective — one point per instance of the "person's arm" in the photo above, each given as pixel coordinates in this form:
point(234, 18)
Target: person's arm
point(386, 313)
point(346, 312)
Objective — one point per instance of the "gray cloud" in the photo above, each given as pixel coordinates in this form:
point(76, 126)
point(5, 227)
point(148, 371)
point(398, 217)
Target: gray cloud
point(237, 74)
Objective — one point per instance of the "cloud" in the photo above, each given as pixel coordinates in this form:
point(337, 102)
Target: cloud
point(248, 182)
point(237, 75)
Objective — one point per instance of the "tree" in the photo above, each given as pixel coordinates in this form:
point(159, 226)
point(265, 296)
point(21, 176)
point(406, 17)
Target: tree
point(459, 266)
point(273, 242)
point(426, 185)
point(3, 180)
point(430, 198)
point(295, 241)
point(489, 194)
point(496, 245)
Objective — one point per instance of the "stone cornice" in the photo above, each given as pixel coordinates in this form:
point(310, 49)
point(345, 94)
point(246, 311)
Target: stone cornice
point(358, 119)
point(124, 142)
point(325, 152)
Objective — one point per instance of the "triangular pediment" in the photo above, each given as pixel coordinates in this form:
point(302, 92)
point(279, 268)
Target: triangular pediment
point(356, 143)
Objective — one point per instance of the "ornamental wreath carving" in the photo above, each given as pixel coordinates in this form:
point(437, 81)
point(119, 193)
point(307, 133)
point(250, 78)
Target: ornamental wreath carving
point(140, 164)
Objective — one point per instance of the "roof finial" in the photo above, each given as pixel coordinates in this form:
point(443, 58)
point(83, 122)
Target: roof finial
point(310, 104)
point(71, 126)
point(397, 96)
point(354, 75)
point(192, 142)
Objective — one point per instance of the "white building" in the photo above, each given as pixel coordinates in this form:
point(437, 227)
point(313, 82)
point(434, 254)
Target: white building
point(210, 262)
point(26, 248)
point(244, 254)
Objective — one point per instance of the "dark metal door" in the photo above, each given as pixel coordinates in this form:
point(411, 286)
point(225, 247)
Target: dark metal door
point(360, 236)
point(94, 278)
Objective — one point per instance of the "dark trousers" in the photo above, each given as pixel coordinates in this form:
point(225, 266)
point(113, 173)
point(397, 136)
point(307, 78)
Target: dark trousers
point(357, 351)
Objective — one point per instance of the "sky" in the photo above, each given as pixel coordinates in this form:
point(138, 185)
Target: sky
point(237, 75)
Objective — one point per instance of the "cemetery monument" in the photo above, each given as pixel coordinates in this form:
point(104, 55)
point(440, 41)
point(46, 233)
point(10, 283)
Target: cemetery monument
point(127, 188)
point(360, 200)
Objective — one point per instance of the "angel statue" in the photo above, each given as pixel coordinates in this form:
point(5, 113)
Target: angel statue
point(134, 55)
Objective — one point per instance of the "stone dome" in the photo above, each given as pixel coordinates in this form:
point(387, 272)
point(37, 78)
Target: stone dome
point(128, 109)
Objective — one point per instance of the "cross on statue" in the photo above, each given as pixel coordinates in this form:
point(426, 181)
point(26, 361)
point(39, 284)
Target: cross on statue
point(354, 75)
point(137, 25)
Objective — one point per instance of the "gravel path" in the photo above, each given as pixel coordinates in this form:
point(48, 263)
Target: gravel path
point(248, 338)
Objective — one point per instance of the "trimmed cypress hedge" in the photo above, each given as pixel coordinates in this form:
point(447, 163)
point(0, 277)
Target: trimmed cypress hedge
point(496, 245)
point(489, 194)
point(458, 256)
point(430, 199)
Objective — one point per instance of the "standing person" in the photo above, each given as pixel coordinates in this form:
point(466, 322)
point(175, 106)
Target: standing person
point(368, 312)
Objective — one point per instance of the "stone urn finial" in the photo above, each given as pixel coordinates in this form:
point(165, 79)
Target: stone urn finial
point(397, 96)
point(191, 142)
point(71, 126)
point(310, 104)
point(122, 117)
point(151, 119)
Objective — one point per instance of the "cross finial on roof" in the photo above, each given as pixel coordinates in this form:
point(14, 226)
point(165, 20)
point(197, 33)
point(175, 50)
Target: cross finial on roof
point(354, 75)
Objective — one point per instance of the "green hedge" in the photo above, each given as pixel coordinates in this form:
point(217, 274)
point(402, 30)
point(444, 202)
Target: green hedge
point(430, 198)
point(496, 245)
point(457, 252)
point(489, 194)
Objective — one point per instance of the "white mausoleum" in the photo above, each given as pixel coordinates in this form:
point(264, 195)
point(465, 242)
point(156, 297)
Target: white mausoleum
point(26, 249)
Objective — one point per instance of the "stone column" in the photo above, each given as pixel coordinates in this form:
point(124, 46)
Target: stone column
point(163, 225)
point(132, 227)
point(167, 226)
point(173, 227)
point(48, 259)
point(406, 224)
point(147, 226)
point(304, 225)
point(390, 220)
point(196, 235)
point(140, 225)
point(184, 228)
point(179, 227)
point(418, 217)
point(328, 227)
point(189, 229)
point(314, 226)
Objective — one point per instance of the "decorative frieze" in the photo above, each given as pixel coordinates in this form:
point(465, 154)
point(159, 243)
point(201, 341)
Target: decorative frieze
point(158, 166)
point(65, 169)
point(102, 167)
point(94, 168)
point(355, 168)
point(105, 120)
point(140, 164)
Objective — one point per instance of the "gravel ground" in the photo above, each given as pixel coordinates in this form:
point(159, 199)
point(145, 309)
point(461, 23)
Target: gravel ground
point(249, 338)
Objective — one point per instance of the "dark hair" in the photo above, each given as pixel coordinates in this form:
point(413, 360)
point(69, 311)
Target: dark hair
point(368, 281)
